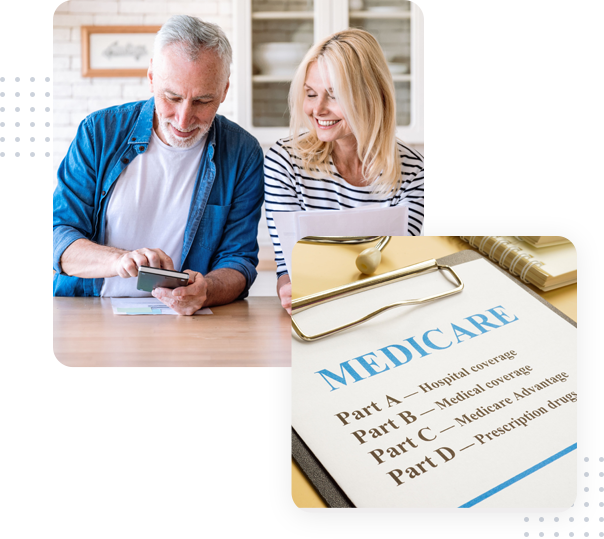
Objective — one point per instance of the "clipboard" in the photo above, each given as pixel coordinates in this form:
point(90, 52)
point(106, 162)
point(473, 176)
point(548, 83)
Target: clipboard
point(370, 283)
point(312, 468)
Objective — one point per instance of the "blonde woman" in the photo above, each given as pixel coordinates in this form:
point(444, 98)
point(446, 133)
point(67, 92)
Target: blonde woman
point(343, 152)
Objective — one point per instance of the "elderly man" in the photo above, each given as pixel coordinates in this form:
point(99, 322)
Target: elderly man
point(165, 183)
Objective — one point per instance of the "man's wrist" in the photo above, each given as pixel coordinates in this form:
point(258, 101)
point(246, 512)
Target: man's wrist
point(115, 256)
point(211, 281)
point(86, 259)
point(223, 285)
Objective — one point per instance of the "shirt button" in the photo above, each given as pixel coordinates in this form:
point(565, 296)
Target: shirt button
point(141, 148)
point(125, 160)
point(103, 193)
point(133, 139)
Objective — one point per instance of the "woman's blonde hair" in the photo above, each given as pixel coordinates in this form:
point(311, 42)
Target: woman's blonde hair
point(362, 85)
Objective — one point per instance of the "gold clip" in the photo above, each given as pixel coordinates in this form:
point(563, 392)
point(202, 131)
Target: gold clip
point(340, 240)
point(416, 270)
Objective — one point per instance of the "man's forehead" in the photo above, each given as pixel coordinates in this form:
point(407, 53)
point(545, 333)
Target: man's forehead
point(176, 56)
point(202, 76)
point(188, 87)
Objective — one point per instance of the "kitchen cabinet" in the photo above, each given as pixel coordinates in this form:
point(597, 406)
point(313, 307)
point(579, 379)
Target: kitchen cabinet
point(272, 36)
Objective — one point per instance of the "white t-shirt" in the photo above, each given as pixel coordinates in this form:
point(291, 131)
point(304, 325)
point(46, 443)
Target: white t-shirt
point(150, 205)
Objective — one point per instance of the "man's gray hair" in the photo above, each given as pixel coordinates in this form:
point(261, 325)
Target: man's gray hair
point(193, 36)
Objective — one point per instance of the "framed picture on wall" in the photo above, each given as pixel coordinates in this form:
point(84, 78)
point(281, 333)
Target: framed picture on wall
point(117, 51)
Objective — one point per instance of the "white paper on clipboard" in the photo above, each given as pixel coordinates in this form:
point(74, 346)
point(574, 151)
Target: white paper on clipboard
point(512, 445)
point(366, 221)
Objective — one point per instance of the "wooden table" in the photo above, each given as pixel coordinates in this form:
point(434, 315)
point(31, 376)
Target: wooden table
point(320, 267)
point(255, 332)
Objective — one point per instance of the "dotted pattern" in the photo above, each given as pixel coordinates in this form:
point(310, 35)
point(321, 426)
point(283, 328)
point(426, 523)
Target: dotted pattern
point(587, 512)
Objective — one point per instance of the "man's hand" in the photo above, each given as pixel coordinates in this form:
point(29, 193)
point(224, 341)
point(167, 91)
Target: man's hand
point(89, 260)
point(188, 299)
point(284, 291)
point(127, 264)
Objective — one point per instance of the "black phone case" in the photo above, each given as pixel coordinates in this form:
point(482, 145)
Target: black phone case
point(149, 281)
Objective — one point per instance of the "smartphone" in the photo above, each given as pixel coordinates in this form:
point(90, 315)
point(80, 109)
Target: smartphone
point(150, 278)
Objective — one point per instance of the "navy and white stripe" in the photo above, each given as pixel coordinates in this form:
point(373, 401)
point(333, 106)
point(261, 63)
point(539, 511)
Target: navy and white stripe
point(288, 187)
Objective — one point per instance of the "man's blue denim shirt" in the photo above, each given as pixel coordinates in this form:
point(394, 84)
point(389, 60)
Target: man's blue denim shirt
point(222, 225)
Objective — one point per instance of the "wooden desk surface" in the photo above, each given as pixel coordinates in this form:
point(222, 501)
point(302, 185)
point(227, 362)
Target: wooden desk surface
point(255, 332)
point(337, 264)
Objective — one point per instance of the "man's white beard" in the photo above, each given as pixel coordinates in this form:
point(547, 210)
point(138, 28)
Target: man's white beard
point(178, 142)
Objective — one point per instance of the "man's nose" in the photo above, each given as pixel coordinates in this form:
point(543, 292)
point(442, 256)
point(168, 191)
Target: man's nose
point(184, 115)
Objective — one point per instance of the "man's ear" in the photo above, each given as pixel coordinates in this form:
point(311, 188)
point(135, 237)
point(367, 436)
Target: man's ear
point(226, 89)
point(150, 74)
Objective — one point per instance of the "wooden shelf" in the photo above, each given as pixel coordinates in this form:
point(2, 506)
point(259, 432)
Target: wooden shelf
point(270, 78)
point(379, 15)
point(277, 15)
point(308, 15)
point(273, 78)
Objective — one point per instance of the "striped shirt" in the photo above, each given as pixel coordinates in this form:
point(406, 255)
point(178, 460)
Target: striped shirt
point(288, 187)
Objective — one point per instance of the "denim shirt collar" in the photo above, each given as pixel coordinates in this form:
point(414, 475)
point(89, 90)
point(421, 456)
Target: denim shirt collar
point(141, 134)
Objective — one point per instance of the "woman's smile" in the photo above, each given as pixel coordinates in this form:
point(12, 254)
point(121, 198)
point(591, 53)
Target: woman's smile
point(326, 124)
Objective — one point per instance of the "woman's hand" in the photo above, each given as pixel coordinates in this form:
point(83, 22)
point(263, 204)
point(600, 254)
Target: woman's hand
point(284, 291)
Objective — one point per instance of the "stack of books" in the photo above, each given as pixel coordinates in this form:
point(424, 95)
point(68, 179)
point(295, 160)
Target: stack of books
point(547, 262)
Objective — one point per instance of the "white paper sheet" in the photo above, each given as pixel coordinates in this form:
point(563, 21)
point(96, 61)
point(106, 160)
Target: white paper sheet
point(138, 306)
point(371, 220)
point(398, 463)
